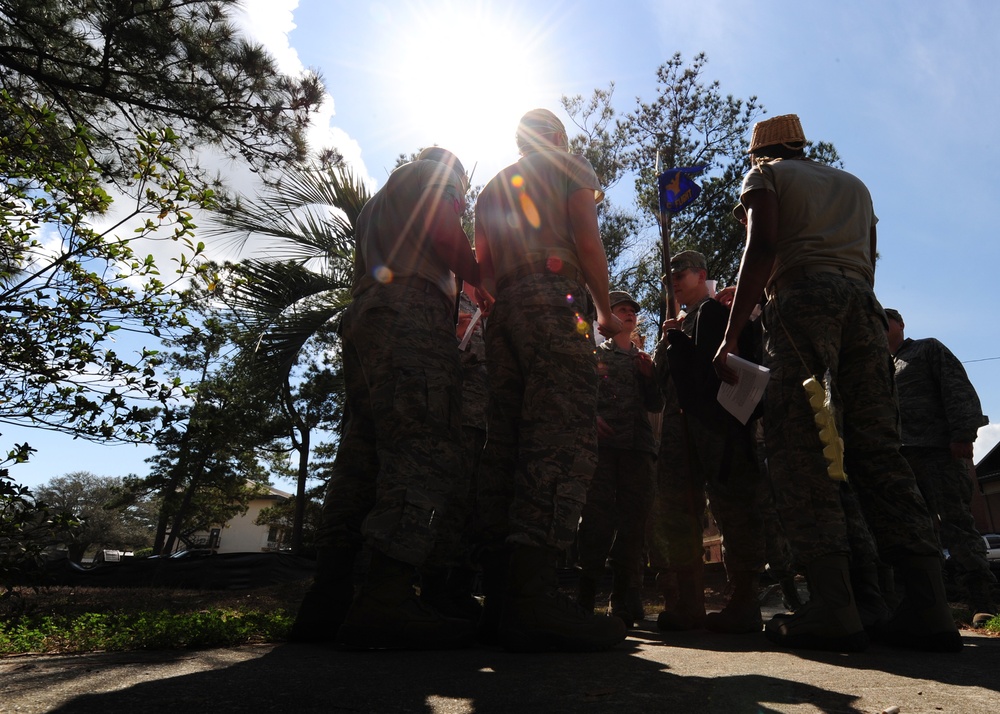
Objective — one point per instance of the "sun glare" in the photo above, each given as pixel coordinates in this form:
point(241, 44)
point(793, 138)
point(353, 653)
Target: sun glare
point(465, 77)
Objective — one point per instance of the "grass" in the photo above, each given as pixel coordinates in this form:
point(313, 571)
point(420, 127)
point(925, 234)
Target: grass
point(62, 620)
point(72, 620)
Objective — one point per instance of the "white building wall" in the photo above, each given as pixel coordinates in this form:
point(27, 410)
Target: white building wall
point(241, 535)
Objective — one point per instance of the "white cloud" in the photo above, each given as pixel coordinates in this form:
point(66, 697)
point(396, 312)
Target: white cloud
point(989, 436)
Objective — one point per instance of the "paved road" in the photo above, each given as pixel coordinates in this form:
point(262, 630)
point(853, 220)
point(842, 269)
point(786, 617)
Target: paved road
point(685, 672)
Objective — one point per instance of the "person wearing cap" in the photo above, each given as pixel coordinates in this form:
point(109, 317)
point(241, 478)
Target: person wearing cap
point(811, 243)
point(621, 491)
point(399, 462)
point(538, 244)
point(940, 415)
point(720, 460)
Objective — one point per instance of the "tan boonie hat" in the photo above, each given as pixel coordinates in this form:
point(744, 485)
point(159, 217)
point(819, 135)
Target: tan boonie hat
point(687, 259)
point(894, 315)
point(785, 130)
point(617, 297)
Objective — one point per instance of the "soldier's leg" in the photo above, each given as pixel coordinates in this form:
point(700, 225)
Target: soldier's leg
point(597, 526)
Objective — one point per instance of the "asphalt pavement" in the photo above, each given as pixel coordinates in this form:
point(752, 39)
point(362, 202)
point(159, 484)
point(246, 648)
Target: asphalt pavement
point(650, 672)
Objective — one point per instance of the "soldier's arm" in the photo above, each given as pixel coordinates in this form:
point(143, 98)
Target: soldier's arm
point(755, 268)
point(449, 240)
point(961, 403)
point(593, 261)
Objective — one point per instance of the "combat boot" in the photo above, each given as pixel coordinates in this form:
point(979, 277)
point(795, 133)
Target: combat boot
point(923, 620)
point(872, 608)
point(688, 613)
point(626, 600)
point(449, 591)
point(494, 563)
point(586, 593)
point(387, 614)
point(830, 620)
point(979, 596)
point(537, 617)
point(326, 603)
point(742, 613)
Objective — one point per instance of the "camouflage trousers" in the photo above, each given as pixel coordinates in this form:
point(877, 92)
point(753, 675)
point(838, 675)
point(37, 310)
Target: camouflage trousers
point(614, 518)
point(831, 322)
point(398, 472)
point(541, 446)
point(946, 485)
point(719, 462)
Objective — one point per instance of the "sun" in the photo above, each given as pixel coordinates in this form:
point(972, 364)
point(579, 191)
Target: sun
point(465, 75)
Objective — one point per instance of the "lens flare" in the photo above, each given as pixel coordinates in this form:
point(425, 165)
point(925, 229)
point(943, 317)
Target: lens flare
point(383, 274)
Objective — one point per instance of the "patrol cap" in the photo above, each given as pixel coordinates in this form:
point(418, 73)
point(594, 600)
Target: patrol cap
point(894, 315)
point(617, 297)
point(443, 156)
point(687, 259)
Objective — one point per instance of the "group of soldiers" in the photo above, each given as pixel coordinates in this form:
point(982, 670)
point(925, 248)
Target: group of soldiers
point(430, 492)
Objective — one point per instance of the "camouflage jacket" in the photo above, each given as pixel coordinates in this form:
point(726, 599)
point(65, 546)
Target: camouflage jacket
point(625, 397)
point(937, 403)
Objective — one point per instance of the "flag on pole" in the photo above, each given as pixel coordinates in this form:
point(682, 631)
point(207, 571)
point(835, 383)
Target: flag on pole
point(676, 188)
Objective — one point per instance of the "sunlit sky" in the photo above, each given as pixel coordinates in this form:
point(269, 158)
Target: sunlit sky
point(907, 91)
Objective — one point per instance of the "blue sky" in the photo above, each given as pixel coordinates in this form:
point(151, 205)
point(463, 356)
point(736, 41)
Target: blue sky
point(906, 91)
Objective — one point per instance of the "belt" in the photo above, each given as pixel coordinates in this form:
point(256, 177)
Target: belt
point(423, 285)
point(542, 267)
point(800, 274)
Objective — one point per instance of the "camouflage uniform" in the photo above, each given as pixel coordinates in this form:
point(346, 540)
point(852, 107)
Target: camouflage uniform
point(621, 491)
point(398, 466)
point(541, 448)
point(836, 323)
point(475, 396)
point(938, 405)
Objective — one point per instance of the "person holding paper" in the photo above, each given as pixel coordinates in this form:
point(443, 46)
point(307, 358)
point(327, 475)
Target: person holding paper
point(720, 460)
point(811, 243)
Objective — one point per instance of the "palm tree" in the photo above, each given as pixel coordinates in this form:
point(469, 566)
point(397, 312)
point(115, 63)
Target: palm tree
point(302, 288)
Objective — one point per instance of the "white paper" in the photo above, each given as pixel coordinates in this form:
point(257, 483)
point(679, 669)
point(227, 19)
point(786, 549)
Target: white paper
point(470, 329)
point(741, 398)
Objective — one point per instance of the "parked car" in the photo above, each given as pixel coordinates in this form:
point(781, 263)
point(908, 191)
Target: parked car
point(992, 548)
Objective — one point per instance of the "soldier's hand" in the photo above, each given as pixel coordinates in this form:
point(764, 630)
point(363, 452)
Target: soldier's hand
point(726, 295)
point(609, 325)
point(604, 430)
point(644, 363)
point(726, 373)
point(671, 323)
point(485, 301)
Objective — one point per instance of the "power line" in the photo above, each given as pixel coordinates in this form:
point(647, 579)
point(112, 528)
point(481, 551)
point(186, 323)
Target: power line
point(984, 359)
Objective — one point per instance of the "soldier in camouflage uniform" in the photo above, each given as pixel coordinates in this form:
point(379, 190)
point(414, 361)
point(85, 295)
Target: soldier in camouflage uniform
point(621, 491)
point(448, 579)
point(539, 247)
point(811, 243)
point(941, 416)
point(399, 462)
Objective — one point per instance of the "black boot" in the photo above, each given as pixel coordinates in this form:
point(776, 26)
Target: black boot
point(742, 613)
point(626, 600)
point(871, 605)
point(537, 617)
point(494, 563)
point(923, 619)
point(586, 593)
point(688, 612)
point(830, 620)
point(449, 591)
point(326, 603)
point(387, 614)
